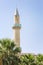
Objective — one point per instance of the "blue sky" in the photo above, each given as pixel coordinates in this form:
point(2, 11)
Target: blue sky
point(31, 19)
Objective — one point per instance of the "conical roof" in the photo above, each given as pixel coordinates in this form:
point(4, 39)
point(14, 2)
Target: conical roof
point(16, 12)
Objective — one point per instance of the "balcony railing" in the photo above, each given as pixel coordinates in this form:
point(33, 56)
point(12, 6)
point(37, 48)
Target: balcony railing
point(17, 26)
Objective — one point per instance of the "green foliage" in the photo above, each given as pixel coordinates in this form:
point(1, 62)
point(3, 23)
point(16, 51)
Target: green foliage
point(9, 52)
point(40, 57)
point(30, 59)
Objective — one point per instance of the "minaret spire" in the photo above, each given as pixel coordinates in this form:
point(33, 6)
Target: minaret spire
point(17, 13)
point(16, 28)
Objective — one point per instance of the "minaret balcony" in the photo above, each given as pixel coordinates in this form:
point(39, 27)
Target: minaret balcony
point(17, 26)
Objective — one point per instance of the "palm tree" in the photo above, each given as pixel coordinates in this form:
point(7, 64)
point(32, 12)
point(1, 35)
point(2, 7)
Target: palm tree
point(9, 53)
point(27, 59)
point(39, 58)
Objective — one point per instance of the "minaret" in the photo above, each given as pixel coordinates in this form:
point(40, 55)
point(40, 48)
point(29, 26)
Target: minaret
point(16, 28)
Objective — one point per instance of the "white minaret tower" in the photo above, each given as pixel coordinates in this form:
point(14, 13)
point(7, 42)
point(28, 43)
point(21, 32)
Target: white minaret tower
point(16, 28)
